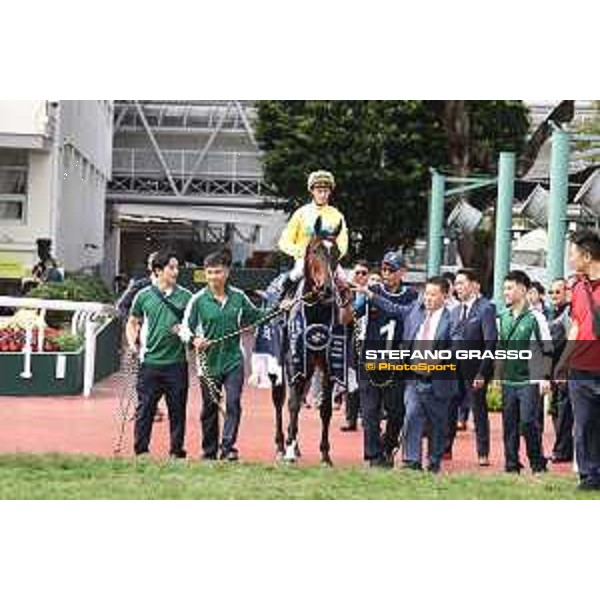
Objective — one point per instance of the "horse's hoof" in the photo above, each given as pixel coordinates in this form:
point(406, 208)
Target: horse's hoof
point(291, 453)
point(326, 461)
point(279, 455)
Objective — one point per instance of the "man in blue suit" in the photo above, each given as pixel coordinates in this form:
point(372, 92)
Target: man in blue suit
point(428, 326)
point(473, 328)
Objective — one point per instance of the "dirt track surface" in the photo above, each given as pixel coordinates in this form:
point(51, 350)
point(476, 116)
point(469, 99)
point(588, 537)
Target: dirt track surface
point(90, 426)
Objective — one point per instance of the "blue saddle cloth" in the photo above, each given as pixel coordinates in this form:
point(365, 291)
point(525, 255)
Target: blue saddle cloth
point(302, 337)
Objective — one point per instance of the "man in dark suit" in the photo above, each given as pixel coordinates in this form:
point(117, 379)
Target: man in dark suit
point(428, 326)
point(473, 328)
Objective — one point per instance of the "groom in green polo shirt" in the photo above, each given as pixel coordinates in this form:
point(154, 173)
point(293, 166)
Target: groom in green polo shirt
point(217, 310)
point(153, 334)
point(522, 328)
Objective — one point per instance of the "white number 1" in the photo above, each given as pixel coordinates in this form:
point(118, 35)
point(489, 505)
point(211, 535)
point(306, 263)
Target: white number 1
point(389, 330)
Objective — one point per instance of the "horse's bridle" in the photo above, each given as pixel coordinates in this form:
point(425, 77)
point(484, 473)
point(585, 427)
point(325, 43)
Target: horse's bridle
point(336, 296)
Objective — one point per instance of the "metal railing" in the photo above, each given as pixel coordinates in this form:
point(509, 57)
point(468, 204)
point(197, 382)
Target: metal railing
point(184, 115)
point(229, 165)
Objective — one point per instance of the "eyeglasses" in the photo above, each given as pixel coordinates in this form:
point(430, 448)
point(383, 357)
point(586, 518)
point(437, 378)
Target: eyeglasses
point(361, 272)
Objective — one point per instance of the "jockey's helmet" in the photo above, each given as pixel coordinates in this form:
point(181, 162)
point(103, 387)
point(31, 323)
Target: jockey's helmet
point(324, 178)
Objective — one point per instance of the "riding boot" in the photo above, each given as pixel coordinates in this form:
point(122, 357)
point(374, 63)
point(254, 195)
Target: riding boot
point(287, 285)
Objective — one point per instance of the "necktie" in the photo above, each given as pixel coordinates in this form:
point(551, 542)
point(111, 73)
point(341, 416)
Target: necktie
point(464, 312)
point(426, 334)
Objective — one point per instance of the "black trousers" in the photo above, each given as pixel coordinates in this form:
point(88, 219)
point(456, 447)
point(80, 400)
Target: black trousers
point(372, 400)
point(233, 383)
point(476, 400)
point(520, 416)
point(562, 419)
point(154, 382)
point(584, 391)
point(352, 407)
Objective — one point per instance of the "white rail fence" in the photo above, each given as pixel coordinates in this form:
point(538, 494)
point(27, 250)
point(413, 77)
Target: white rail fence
point(88, 319)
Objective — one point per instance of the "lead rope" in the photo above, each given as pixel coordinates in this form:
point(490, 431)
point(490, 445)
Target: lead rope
point(128, 395)
point(358, 351)
point(215, 391)
point(130, 368)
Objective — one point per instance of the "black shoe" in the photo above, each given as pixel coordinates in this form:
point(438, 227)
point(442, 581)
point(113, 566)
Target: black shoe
point(349, 427)
point(435, 469)
point(231, 455)
point(206, 456)
point(540, 467)
point(561, 459)
point(512, 469)
point(380, 463)
point(411, 466)
point(178, 454)
point(589, 484)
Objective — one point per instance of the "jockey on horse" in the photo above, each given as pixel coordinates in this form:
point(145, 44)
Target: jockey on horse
point(301, 227)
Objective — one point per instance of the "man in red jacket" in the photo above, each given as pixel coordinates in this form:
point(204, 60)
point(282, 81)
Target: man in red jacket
point(583, 356)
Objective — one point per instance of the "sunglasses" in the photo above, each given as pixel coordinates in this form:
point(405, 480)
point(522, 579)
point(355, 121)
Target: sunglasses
point(361, 272)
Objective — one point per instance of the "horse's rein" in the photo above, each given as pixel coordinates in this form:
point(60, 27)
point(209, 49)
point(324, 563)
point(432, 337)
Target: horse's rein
point(264, 319)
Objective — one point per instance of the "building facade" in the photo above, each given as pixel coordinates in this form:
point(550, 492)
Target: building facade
point(187, 175)
point(55, 161)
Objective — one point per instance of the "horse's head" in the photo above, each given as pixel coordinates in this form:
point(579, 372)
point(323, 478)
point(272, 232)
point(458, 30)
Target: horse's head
point(322, 257)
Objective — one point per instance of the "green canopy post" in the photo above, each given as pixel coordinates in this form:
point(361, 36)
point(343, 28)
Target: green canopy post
point(436, 223)
point(557, 209)
point(506, 192)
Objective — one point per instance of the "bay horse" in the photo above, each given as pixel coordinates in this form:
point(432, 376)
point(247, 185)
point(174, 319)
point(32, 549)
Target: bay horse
point(305, 335)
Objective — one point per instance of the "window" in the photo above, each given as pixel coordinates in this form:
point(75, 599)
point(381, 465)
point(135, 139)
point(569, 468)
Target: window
point(13, 180)
point(12, 209)
point(13, 171)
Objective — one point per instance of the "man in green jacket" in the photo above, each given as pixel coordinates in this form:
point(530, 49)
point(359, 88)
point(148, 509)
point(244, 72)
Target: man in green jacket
point(217, 310)
point(523, 328)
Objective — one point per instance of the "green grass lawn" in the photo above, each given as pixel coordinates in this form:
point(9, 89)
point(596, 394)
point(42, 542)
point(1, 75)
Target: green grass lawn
point(52, 476)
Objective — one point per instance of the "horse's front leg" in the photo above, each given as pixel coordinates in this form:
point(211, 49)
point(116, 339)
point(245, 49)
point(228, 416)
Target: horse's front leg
point(294, 403)
point(278, 398)
point(325, 412)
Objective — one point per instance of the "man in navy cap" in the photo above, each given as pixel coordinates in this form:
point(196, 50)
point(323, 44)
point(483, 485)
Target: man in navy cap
point(385, 305)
